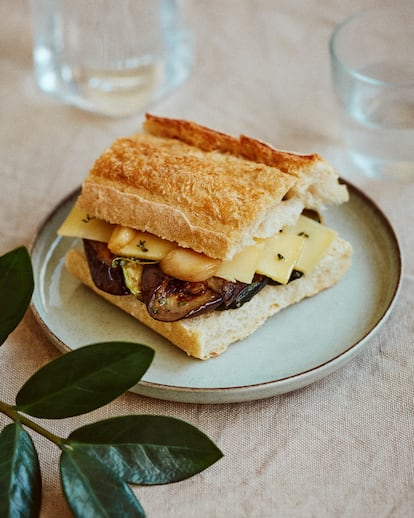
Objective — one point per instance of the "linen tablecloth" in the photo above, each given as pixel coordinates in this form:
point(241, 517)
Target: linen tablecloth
point(340, 447)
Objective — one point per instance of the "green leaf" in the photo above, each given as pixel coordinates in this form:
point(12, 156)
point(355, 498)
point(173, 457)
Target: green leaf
point(20, 480)
point(84, 379)
point(16, 289)
point(147, 449)
point(92, 490)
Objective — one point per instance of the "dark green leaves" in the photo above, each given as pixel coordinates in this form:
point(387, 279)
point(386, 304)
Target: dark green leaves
point(20, 481)
point(147, 449)
point(16, 288)
point(93, 490)
point(83, 380)
point(99, 459)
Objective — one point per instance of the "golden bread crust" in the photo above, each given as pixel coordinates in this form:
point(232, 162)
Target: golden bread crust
point(201, 188)
point(204, 200)
point(312, 171)
point(192, 134)
point(211, 140)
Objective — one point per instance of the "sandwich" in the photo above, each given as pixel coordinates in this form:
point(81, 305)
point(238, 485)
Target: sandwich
point(203, 236)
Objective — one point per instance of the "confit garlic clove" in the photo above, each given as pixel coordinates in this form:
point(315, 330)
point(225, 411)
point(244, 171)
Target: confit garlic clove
point(127, 242)
point(187, 265)
point(120, 238)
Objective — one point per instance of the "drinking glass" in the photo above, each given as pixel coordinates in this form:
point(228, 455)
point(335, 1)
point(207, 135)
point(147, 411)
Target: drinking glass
point(372, 64)
point(113, 58)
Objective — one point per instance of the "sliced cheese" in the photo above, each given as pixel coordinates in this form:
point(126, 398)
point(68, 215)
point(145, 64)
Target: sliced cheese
point(317, 239)
point(79, 224)
point(280, 255)
point(242, 266)
point(142, 245)
point(298, 247)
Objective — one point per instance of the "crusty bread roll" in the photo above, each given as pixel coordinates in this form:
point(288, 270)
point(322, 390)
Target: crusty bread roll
point(216, 195)
point(196, 187)
point(209, 335)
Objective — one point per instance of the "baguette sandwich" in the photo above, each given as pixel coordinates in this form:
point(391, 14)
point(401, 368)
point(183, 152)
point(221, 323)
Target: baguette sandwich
point(202, 236)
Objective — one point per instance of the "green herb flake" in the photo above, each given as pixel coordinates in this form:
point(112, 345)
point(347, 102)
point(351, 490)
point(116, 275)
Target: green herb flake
point(88, 218)
point(280, 257)
point(303, 234)
point(142, 246)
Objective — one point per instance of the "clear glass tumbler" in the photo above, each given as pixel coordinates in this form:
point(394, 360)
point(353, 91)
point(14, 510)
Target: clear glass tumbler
point(372, 63)
point(113, 58)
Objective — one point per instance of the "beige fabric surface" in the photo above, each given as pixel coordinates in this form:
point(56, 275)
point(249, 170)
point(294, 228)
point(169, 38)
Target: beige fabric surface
point(342, 447)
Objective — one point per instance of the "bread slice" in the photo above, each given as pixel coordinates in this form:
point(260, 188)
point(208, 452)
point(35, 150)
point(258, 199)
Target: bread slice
point(317, 180)
point(205, 190)
point(209, 335)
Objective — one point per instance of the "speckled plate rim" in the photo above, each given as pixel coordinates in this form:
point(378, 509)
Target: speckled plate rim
point(263, 389)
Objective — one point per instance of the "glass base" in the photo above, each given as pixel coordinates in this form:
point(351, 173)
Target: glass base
point(113, 93)
point(399, 170)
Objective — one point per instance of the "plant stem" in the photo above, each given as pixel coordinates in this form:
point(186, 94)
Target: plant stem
point(16, 416)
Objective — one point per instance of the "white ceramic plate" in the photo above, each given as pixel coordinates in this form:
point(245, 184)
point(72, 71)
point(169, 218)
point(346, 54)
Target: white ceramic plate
point(296, 347)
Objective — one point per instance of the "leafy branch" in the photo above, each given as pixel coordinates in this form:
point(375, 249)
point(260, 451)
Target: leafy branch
point(99, 461)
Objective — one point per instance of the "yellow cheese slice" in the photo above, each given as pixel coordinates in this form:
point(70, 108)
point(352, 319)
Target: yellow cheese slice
point(79, 224)
point(242, 266)
point(280, 255)
point(317, 239)
point(298, 247)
